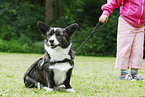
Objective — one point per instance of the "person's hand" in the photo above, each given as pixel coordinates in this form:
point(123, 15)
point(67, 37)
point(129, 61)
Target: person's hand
point(103, 18)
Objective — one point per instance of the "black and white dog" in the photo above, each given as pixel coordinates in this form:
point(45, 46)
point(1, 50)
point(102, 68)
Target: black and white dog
point(55, 67)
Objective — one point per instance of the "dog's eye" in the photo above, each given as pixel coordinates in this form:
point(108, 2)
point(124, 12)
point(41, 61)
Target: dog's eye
point(50, 34)
point(58, 34)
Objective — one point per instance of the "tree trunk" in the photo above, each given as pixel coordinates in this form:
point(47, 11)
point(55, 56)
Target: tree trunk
point(60, 8)
point(48, 11)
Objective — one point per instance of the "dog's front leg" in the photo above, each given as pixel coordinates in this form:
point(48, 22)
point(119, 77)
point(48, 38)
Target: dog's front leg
point(67, 82)
point(50, 80)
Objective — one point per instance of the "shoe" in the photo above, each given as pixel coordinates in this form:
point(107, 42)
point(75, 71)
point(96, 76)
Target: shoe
point(137, 77)
point(125, 77)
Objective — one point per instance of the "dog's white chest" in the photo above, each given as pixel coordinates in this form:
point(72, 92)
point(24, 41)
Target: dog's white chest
point(60, 70)
point(58, 54)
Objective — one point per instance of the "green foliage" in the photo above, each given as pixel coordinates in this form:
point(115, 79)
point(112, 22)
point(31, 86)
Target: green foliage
point(21, 46)
point(91, 11)
point(19, 17)
point(18, 29)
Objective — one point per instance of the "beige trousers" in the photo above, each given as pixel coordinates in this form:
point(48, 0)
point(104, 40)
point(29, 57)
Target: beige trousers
point(130, 43)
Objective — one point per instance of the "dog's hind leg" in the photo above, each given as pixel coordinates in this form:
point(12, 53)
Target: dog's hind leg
point(67, 82)
point(31, 83)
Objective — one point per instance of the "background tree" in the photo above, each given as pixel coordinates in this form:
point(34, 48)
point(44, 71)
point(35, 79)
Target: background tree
point(48, 11)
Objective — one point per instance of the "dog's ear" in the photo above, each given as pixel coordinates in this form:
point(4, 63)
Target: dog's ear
point(69, 31)
point(43, 28)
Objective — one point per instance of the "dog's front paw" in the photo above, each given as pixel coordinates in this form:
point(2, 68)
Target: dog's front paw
point(59, 87)
point(48, 89)
point(38, 85)
point(70, 90)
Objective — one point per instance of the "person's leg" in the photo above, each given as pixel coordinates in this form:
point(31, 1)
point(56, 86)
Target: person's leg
point(136, 56)
point(125, 39)
point(124, 42)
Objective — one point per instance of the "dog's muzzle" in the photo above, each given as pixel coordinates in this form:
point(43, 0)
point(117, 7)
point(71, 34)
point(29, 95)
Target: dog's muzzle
point(52, 44)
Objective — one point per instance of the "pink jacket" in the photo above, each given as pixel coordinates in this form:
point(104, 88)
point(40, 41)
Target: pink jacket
point(133, 11)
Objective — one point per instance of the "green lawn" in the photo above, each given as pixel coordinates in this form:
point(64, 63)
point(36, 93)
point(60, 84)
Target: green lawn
point(92, 76)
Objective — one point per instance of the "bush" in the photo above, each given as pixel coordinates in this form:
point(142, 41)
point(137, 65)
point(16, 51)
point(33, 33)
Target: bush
point(18, 17)
point(19, 33)
point(16, 46)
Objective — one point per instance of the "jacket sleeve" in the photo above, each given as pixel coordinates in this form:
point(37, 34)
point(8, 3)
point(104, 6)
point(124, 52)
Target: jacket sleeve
point(111, 4)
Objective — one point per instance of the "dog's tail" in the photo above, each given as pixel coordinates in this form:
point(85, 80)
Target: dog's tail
point(31, 68)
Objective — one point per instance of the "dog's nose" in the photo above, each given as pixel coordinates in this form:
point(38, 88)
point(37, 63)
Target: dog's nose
point(51, 41)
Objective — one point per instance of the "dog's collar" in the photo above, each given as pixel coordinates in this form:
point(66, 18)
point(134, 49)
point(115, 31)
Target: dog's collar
point(44, 61)
point(54, 62)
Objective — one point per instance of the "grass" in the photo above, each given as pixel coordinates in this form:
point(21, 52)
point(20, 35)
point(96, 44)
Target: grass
point(92, 76)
